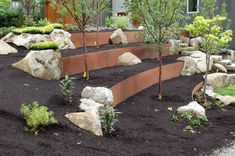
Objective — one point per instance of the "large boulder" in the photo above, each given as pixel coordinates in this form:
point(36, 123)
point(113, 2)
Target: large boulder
point(25, 40)
point(98, 94)
point(189, 68)
point(127, 59)
point(201, 64)
point(6, 48)
point(62, 38)
point(194, 109)
point(44, 64)
point(88, 120)
point(118, 37)
point(218, 80)
point(88, 104)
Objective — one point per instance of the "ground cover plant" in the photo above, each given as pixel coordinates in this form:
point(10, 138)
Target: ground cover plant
point(83, 12)
point(116, 22)
point(44, 45)
point(37, 117)
point(229, 90)
point(159, 18)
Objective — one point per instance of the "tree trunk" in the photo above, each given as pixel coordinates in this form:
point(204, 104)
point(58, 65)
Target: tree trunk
point(86, 72)
point(207, 71)
point(27, 3)
point(97, 32)
point(160, 74)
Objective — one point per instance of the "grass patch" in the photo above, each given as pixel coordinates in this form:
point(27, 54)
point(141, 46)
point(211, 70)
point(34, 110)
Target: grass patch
point(229, 90)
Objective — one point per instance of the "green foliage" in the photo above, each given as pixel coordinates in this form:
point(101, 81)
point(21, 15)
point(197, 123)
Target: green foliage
point(108, 118)
point(189, 129)
point(219, 104)
point(67, 85)
point(29, 21)
point(229, 90)
point(43, 22)
point(35, 7)
point(199, 97)
point(34, 30)
point(207, 105)
point(174, 118)
point(36, 116)
point(44, 45)
point(116, 22)
point(187, 116)
point(71, 26)
point(199, 121)
point(57, 25)
point(5, 30)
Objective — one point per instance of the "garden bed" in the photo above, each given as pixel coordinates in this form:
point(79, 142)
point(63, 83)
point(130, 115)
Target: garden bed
point(144, 127)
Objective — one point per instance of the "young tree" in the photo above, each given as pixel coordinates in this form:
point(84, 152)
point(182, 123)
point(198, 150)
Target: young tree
point(160, 19)
point(32, 7)
point(213, 37)
point(83, 12)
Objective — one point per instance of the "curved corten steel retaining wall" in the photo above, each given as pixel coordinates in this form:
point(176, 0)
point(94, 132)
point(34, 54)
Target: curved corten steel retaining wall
point(197, 88)
point(103, 37)
point(107, 58)
point(129, 87)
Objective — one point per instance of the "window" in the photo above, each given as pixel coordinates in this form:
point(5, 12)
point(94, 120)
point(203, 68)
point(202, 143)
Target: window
point(192, 6)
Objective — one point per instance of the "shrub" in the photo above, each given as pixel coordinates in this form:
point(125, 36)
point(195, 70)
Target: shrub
point(44, 45)
point(67, 85)
point(174, 118)
point(5, 30)
point(108, 118)
point(71, 27)
point(29, 21)
point(11, 17)
point(117, 22)
point(198, 121)
point(34, 30)
point(37, 117)
point(219, 103)
point(57, 25)
point(43, 22)
point(189, 129)
point(187, 116)
point(207, 105)
point(199, 97)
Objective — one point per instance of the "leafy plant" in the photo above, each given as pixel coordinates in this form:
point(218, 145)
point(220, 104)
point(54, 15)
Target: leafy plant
point(44, 45)
point(174, 118)
point(57, 25)
point(219, 103)
point(34, 30)
point(117, 22)
point(108, 118)
point(5, 30)
point(207, 105)
point(43, 22)
point(187, 116)
point(71, 26)
point(67, 85)
point(199, 97)
point(29, 21)
point(199, 121)
point(36, 116)
point(189, 129)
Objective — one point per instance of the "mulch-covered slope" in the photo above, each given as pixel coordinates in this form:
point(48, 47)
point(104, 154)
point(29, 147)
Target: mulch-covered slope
point(141, 130)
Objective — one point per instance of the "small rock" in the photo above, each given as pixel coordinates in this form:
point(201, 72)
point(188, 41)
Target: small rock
point(87, 104)
point(140, 28)
point(118, 37)
point(219, 68)
point(170, 109)
point(224, 62)
point(127, 59)
point(88, 120)
point(194, 109)
point(6, 48)
point(216, 57)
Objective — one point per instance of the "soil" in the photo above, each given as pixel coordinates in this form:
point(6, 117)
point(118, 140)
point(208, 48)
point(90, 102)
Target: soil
point(144, 126)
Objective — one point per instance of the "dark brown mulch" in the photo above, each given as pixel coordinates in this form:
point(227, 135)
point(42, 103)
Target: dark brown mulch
point(141, 130)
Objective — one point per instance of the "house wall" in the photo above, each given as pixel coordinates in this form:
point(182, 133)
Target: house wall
point(117, 6)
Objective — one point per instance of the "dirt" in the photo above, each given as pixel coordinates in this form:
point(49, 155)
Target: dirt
point(144, 127)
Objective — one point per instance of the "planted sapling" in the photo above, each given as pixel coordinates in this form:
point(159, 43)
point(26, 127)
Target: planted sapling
point(67, 85)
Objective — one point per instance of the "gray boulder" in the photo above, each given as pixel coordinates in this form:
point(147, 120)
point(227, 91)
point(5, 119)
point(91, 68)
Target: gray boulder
point(62, 38)
point(127, 59)
point(6, 48)
point(44, 64)
point(219, 68)
point(118, 37)
point(189, 68)
point(194, 109)
point(87, 104)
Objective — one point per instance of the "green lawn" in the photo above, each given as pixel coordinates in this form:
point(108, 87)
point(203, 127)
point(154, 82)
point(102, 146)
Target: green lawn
point(229, 90)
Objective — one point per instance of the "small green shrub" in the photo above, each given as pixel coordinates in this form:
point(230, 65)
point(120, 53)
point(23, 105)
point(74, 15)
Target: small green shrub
point(199, 97)
point(43, 22)
point(174, 118)
point(199, 121)
point(44, 45)
point(117, 22)
point(207, 105)
point(29, 21)
point(219, 104)
point(57, 25)
point(67, 85)
point(187, 116)
point(71, 27)
point(34, 30)
point(189, 129)
point(37, 117)
point(108, 118)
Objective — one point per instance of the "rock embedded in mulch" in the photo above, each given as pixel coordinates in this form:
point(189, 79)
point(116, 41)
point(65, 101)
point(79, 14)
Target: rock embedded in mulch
point(127, 59)
point(6, 48)
point(98, 94)
point(26, 40)
point(194, 109)
point(118, 37)
point(88, 104)
point(88, 120)
point(189, 68)
point(219, 68)
point(44, 64)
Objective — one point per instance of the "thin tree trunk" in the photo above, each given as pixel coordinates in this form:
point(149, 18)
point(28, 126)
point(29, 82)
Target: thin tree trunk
point(160, 74)
point(86, 72)
point(207, 71)
point(97, 32)
point(27, 7)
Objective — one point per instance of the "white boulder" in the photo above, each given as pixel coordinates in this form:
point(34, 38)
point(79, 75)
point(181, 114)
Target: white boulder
point(219, 68)
point(98, 94)
point(127, 59)
point(194, 109)
point(218, 80)
point(189, 68)
point(44, 64)
point(6, 48)
point(118, 37)
point(88, 120)
point(87, 104)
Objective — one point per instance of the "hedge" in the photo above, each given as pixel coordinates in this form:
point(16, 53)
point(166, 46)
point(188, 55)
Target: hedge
point(44, 45)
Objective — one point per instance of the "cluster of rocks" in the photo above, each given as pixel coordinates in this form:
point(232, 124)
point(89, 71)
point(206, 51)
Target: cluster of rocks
point(92, 98)
point(195, 60)
point(220, 80)
point(26, 40)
